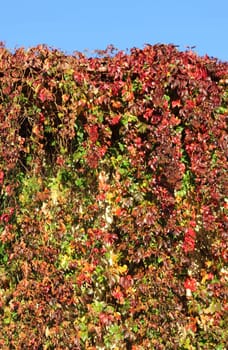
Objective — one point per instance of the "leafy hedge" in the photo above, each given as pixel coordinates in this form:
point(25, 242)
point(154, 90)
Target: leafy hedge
point(113, 185)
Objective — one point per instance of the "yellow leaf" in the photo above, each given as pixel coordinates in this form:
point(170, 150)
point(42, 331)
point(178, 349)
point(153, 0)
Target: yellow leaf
point(112, 258)
point(47, 332)
point(122, 269)
point(209, 263)
point(212, 308)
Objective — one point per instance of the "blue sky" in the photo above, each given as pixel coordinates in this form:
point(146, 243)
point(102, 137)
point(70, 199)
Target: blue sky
point(72, 25)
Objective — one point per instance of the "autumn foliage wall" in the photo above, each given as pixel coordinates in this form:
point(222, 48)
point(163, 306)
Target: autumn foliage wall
point(113, 208)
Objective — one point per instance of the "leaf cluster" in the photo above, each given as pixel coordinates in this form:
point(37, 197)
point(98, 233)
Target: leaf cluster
point(113, 212)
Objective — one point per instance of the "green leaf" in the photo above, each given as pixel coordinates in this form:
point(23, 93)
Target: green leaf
point(98, 306)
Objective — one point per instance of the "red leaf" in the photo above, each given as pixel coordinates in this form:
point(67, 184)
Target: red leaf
point(1, 177)
point(118, 211)
point(42, 118)
point(190, 283)
point(105, 319)
point(115, 120)
point(93, 132)
point(189, 241)
point(116, 104)
point(118, 295)
point(176, 103)
point(189, 104)
point(192, 325)
point(45, 95)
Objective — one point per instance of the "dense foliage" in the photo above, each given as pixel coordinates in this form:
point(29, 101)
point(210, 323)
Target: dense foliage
point(113, 212)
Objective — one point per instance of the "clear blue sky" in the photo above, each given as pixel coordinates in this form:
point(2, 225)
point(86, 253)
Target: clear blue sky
point(72, 25)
